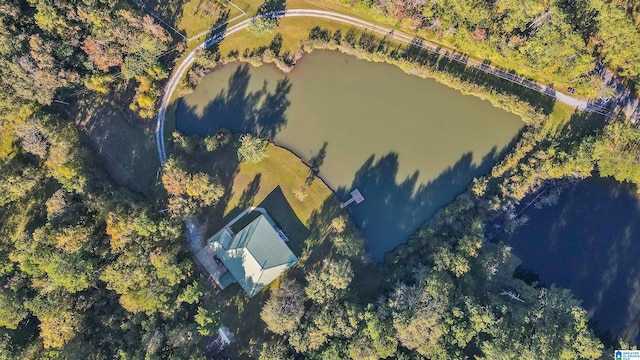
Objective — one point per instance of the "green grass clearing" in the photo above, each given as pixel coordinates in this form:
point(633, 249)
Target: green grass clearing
point(123, 141)
point(559, 117)
point(271, 183)
point(191, 17)
point(200, 15)
point(268, 184)
point(294, 31)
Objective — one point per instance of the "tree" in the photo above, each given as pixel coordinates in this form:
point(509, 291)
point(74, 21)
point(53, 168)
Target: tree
point(417, 312)
point(174, 178)
point(16, 186)
point(207, 321)
point(252, 149)
point(274, 351)
point(71, 239)
point(616, 151)
point(12, 311)
point(263, 24)
point(99, 83)
point(57, 204)
point(32, 138)
point(218, 140)
point(188, 144)
point(556, 328)
point(349, 245)
point(182, 207)
point(285, 307)
point(205, 188)
point(421, 328)
point(379, 334)
point(189, 191)
point(191, 293)
point(325, 284)
point(58, 322)
point(149, 272)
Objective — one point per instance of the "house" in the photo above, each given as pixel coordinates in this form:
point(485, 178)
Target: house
point(255, 256)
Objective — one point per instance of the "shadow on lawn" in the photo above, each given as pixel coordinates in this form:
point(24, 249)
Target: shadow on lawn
point(118, 137)
point(282, 213)
point(219, 28)
point(236, 108)
point(173, 12)
point(278, 208)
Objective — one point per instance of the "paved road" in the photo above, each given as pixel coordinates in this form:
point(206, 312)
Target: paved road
point(350, 20)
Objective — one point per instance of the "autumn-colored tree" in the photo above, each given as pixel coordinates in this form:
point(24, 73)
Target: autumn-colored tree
point(174, 178)
point(58, 321)
point(189, 191)
point(71, 239)
point(12, 310)
point(325, 284)
point(284, 309)
point(207, 320)
point(56, 204)
point(252, 149)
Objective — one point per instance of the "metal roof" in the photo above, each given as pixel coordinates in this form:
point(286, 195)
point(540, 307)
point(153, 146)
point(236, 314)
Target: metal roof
point(256, 255)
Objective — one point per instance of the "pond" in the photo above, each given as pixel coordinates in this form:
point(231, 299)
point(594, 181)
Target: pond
point(590, 243)
point(408, 144)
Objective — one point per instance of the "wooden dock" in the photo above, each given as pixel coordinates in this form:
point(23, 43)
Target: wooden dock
point(356, 197)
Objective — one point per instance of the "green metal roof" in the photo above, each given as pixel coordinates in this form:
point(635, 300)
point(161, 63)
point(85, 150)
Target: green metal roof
point(226, 280)
point(255, 256)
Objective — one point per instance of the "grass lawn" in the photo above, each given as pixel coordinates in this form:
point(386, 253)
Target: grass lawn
point(124, 142)
point(268, 184)
point(559, 117)
point(195, 21)
point(293, 31)
point(254, 182)
point(191, 20)
point(191, 17)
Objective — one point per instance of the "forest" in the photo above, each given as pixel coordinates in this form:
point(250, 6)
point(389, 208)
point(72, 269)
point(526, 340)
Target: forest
point(554, 41)
point(92, 269)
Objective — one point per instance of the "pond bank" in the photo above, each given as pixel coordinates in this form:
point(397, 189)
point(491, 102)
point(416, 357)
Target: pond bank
point(410, 145)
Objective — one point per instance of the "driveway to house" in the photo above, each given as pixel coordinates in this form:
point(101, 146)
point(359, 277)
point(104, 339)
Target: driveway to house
point(195, 236)
point(172, 84)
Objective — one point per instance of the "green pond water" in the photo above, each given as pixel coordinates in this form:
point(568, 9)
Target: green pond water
point(408, 144)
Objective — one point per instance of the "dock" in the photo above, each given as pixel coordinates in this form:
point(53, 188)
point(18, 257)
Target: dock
point(356, 197)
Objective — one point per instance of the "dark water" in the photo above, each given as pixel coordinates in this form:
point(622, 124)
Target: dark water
point(409, 144)
point(590, 243)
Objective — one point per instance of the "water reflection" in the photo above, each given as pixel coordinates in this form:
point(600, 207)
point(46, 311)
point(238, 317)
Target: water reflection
point(590, 243)
point(409, 144)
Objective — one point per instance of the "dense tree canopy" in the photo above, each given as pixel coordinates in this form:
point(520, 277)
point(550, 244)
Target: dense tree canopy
point(545, 40)
point(91, 269)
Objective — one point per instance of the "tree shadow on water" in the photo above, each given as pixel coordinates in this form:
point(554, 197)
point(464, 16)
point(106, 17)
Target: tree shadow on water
point(314, 164)
point(261, 112)
point(589, 244)
point(392, 210)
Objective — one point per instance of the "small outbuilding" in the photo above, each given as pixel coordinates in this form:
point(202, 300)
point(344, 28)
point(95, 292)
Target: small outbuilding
point(256, 255)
